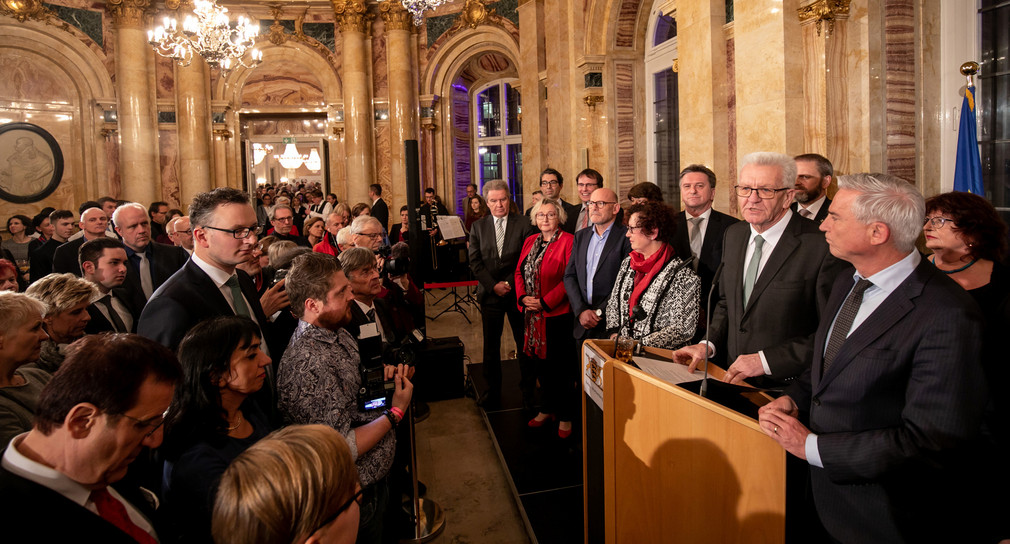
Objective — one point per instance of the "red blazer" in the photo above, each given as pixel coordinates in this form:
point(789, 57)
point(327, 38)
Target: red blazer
point(325, 247)
point(552, 272)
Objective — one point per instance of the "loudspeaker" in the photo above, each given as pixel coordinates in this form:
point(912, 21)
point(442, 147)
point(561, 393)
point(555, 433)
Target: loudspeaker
point(439, 369)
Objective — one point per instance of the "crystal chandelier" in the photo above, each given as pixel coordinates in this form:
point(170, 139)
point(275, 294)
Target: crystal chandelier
point(418, 7)
point(290, 159)
point(260, 152)
point(208, 33)
point(313, 163)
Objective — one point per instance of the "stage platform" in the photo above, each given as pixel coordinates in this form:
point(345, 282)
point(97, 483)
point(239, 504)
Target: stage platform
point(545, 472)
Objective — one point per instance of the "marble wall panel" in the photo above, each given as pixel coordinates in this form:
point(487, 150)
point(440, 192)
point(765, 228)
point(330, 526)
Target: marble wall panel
point(165, 77)
point(380, 74)
point(27, 77)
point(168, 143)
point(111, 149)
point(282, 84)
point(383, 162)
point(728, 202)
point(625, 110)
point(61, 126)
point(627, 23)
point(899, 50)
point(858, 76)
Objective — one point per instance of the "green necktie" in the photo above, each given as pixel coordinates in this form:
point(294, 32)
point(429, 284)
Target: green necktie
point(236, 296)
point(752, 269)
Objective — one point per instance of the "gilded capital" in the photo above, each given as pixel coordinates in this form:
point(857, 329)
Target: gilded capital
point(824, 11)
point(24, 9)
point(351, 15)
point(128, 13)
point(395, 15)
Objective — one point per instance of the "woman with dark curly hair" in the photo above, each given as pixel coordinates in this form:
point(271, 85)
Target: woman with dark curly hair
point(656, 280)
point(475, 209)
point(210, 421)
point(968, 240)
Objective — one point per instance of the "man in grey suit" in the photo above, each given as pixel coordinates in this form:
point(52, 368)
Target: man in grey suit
point(896, 385)
point(496, 242)
point(777, 274)
point(597, 254)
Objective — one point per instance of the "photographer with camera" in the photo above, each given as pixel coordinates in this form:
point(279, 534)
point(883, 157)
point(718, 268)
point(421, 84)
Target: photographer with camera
point(322, 373)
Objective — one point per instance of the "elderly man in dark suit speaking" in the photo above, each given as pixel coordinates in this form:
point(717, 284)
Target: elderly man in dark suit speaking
point(777, 273)
point(495, 244)
point(597, 253)
point(896, 384)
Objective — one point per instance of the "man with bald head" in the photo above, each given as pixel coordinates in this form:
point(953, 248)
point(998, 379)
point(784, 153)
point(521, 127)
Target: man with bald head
point(597, 254)
point(181, 233)
point(93, 223)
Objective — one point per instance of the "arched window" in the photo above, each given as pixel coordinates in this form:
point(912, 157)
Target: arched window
point(661, 100)
point(497, 137)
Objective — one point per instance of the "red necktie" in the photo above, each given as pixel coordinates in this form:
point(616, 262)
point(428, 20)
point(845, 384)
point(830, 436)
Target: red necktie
point(113, 511)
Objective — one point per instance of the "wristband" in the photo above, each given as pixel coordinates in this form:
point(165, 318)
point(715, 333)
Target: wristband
point(397, 412)
point(389, 415)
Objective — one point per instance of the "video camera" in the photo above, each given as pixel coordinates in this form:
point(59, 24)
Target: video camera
point(394, 266)
point(376, 393)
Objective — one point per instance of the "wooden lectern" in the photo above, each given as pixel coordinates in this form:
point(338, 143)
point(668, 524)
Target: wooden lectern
point(681, 468)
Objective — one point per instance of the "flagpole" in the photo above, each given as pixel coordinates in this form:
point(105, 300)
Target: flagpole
point(968, 70)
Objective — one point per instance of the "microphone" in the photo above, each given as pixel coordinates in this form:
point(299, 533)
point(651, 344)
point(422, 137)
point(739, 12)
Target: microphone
point(636, 313)
point(708, 325)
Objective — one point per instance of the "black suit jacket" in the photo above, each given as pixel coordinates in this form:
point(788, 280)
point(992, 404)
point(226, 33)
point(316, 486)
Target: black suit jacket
point(711, 246)
point(65, 257)
point(905, 390)
point(786, 303)
point(614, 251)
point(488, 268)
point(821, 213)
point(99, 323)
point(165, 261)
point(41, 260)
point(189, 297)
point(44, 515)
point(380, 211)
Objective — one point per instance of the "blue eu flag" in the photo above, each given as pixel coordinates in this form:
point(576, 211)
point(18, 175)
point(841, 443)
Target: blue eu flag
point(967, 166)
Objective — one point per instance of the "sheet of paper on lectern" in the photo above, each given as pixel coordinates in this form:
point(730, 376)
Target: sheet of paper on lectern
point(670, 372)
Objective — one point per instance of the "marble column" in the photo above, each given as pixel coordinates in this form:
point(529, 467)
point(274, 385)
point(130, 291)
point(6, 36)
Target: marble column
point(353, 20)
point(532, 61)
point(701, 48)
point(192, 114)
point(825, 85)
point(138, 154)
point(769, 75)
point(561, 151)
point(402, 96)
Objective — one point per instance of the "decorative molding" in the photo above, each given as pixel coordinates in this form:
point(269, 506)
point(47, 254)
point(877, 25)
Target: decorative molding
point(224, 133)
point(821, 11)
point(591, 63)
point(474, 14)
point(108, 132)
point(22, 10)
point(129, 13)
point(395, 16)
point(592, 100)
point(352, 15)
point(676, 65)
point(277, 36)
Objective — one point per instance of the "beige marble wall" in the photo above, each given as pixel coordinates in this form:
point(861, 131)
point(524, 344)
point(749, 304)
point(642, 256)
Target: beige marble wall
point(168, 144)
point(861, 80)
point(769, 71)
point(702, 88)
point(929, 106)
point(899, 74)
point(532, 61)
point(282, 83)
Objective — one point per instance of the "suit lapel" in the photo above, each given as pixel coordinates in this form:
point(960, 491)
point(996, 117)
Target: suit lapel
point(888, 313)
point(734, 253)
point(785, 247)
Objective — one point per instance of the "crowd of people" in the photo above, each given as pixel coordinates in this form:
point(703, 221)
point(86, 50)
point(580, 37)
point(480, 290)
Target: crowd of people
point(209, 377)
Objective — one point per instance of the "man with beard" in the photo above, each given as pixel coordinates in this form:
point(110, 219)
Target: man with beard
point(319, 380)
point(814, 175)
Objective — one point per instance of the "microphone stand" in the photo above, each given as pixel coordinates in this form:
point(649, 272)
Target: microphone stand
point(708, 327)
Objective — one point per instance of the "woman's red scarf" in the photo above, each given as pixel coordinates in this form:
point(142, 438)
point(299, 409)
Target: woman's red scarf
point(646, 269)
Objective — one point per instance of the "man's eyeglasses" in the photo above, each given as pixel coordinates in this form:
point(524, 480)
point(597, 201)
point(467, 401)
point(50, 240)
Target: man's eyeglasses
point(764, 193)
point(372, 235)
point(240, 233)
point(150, 425)
point(600, 203)
point(937, 222)
point(549, 183)
point(354, 498)
point(288, 219)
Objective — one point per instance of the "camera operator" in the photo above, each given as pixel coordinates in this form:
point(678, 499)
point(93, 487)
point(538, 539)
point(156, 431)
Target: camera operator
point(321, 374)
